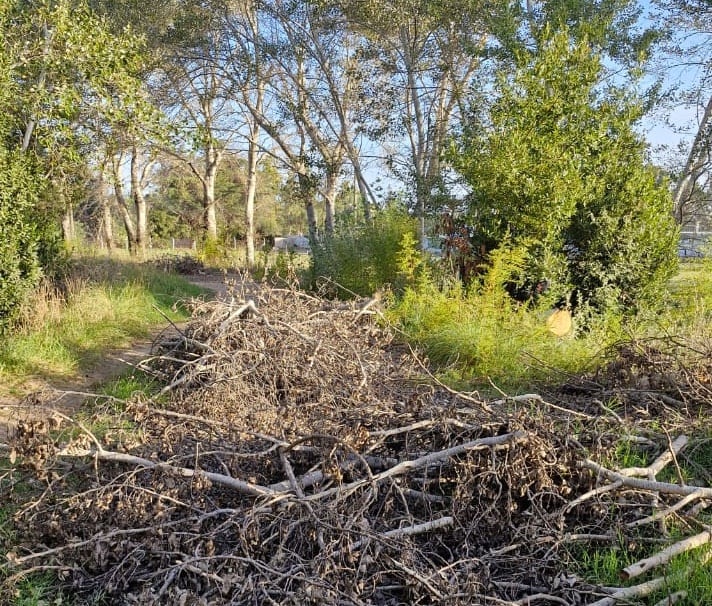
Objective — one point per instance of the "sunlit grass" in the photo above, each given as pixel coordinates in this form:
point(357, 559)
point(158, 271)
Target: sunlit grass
point(480, 341)
point(104, 304)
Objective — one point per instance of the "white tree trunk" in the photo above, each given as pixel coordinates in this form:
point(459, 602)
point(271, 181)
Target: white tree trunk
point(697, 161)
point(123, 207)
point(140, 204)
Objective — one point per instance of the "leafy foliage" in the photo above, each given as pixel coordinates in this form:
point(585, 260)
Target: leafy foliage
point(557, 166)
point(25, 235)
point(62, 74)
point(362, 258)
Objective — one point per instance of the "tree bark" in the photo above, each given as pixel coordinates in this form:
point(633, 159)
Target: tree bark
point(698, 158)
point(68, 228)
point(210, 218)
point(332, 182)
point(252, 162)
point(107, 225)
point(123, 206)
point(250, 192)
point(140, 204)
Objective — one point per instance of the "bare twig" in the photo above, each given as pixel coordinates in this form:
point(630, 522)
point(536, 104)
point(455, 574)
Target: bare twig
point(659, 464)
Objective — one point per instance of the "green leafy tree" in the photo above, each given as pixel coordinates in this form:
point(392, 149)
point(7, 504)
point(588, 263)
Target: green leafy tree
point(556, 166)
point(63, 78)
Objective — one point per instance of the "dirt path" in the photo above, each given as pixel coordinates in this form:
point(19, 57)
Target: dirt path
point(68, 395)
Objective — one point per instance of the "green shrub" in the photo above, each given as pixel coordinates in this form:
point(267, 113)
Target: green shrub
point(27, 238)
point(556, 166)
point(480, 335)
point(361, 258)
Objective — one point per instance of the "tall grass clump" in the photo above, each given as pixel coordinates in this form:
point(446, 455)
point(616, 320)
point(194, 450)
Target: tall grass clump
point(690, 297)
point(479, 335)
point(364, 257)
point(98, 305)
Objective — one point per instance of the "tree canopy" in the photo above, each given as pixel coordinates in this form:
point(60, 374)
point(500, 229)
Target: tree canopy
point(532, 106)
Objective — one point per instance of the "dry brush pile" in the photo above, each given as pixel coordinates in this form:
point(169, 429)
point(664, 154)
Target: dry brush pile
point(298, 454)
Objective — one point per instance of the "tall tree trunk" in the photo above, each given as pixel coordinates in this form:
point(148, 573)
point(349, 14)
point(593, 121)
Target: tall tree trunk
point(209, 215)
point(107, 225)
point(212, 161)
point(139, 203)
point(306, 193)
point(123, 207)
point(251, 191)
point(68, 228)
point(330, 191)
point(697, 160)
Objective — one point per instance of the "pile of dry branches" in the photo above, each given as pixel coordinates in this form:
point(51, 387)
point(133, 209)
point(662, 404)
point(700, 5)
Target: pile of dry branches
point(298, 455)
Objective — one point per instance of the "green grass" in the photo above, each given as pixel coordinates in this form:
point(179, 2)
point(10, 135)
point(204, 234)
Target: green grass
point(483, 338)
point(104, 304)
point(126, 386)
point(602, 566)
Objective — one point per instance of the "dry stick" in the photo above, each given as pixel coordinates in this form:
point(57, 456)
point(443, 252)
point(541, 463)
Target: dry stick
point(424, 461)
point(402, 532)
point(642, 566)
point(647, 484)
point(530, 599)
point(300, 493)
point(14, 560)
point(535, 397)
point(592, 493)
point(238, 313)
point(314, 477)
point(661, 515)
point(188, 417)
point(659, 464)
point(414, 574)
point(636, 591)
point(673, 598)
point(216, 478)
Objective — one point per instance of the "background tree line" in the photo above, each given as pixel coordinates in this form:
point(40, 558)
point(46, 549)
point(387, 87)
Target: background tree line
point(226, 119)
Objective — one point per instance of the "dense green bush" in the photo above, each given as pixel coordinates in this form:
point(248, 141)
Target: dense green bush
point(361, 258)
point(26, 238)
point(556, 166)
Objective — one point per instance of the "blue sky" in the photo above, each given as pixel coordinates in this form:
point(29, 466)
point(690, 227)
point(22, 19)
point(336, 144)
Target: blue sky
point(678, 123)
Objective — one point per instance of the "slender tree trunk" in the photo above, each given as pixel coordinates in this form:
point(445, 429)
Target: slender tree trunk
point(209, 214)
point(212, 161)
point(306, 192)
point(250, 192)
point(330, 191)
point(416, 128)
point(123, 206)
point(107, 225)
point(139, 203)
point(68, 227)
